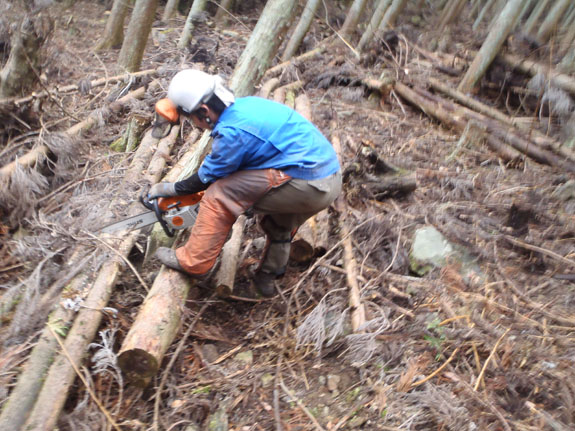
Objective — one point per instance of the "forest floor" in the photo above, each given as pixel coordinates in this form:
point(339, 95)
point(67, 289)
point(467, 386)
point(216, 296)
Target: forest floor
point(487, 349)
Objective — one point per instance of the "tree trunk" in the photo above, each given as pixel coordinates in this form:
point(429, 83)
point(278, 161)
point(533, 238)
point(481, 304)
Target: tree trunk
point(61, 375)
point(535, 15)
point(132, 52)
point(301, 29)
point(155, 327)
point(198, 7)
point(482, 14)
point(226, 275)
point(491, 45)
point(170, 10)
point(262, 45)
point(224, 11)
point(550, 23)
point(391, 15)
point(23, 67)
point(367, 36)
point(352, 19)
point(114, 32)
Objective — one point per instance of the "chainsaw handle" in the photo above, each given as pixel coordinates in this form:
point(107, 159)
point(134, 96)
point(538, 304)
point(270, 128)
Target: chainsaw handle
point(154, 205)
point(158, 211)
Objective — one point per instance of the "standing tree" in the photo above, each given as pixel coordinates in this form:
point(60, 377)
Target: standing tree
point(114, 32)
point(391, 15)
point(170, 10)
point(224, 10)
point(24, 61)
point(501, 29)
point(197, 9)
point(484, 10)
point(535, 15)
point(376, 18)
point(132, 51)
point(257, 55)
point(352, 18)
point(551, 21)
point(301, 29)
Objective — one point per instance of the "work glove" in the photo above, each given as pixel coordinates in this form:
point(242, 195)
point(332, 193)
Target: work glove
point(162, 190)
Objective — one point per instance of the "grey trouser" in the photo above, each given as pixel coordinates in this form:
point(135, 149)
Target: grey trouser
point(286, 208)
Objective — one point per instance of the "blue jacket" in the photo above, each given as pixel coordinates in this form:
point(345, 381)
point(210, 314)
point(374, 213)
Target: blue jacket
point(256, 133)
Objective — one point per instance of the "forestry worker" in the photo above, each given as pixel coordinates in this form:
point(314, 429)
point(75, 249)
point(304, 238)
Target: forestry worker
point(265, 156)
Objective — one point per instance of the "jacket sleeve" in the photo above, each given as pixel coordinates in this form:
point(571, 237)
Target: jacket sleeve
point(190, 185)
point(227, 156)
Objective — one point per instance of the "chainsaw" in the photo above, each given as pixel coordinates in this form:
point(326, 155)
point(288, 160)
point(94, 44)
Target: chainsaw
point(173, 213)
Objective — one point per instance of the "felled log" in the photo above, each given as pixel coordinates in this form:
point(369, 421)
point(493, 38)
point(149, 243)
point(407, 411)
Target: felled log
point(61, 374)
point(224, 279)
point(155, 327)
point(269, 86)
point(530, 67)
point(537, 137)
point(311, 239)
point(74, 87)
point(392, 185)
point(40, 151)
point(506, 141)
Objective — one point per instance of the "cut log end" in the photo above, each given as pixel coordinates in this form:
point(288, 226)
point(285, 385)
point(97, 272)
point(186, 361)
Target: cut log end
point(138, 366)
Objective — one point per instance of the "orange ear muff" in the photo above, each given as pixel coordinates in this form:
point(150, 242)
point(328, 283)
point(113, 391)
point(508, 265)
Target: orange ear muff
point(167, 109)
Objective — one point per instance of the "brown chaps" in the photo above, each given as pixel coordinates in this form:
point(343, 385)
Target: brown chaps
point(286, 202)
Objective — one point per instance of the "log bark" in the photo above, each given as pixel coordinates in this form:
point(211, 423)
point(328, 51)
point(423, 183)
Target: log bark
point(40, 151)
point(301, 29)
point(61, 374)
point(352, 18)
point(491, 45)
point(537, 137)
point(155, 327)
point(225, 277)
point(269, 86)
point(311, 237)
point(507, 142)
point(376, 18)
point(224, 11)
point(170, 10)
point(532, 68)
point(262, 45)
point(484, 10)
point(391, 15)
point(56, 91)
point(552, 19)
point(533, 19)
point(198, 7)
point(114, 32)
point(132, 51)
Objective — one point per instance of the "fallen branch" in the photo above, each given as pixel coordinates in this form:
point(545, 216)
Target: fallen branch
point(357, 309)
point(41, 151)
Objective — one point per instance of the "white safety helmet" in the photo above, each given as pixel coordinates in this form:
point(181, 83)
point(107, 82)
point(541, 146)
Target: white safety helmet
point(190, 88)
